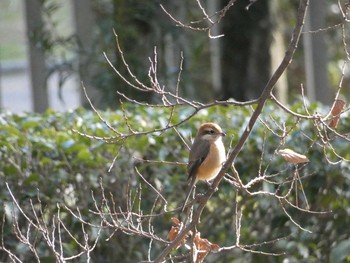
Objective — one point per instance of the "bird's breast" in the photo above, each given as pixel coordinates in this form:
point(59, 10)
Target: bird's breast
point(212, 164)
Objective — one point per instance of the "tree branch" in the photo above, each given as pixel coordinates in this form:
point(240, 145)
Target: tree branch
point(236, 150)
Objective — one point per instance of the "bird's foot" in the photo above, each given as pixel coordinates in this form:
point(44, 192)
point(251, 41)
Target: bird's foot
point(200, 198)
point(214, 188)
point(209, 183)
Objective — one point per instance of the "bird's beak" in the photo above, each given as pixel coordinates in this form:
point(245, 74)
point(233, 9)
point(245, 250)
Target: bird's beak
point(223, 134)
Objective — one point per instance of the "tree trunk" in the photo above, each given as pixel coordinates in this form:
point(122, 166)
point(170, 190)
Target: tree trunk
point(277, 50)
point(84, 24)
point(215, 51)
point(317, 84)
point(246, 50)
point(38, 70)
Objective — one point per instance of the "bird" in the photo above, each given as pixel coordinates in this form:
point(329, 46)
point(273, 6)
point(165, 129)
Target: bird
point(206, 157)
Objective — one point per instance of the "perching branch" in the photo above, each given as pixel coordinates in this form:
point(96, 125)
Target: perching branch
point(244, 137)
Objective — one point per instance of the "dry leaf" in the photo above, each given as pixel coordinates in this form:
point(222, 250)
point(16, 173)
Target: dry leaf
point(175, 220)
point(203, 246)
point(174, 231)
point(337, 108)
point(292, 156)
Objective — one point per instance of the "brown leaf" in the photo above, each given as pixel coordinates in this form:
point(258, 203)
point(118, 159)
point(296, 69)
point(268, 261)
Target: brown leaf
point(337, 108)
point(292, 156)
point(203, 247)
point(175, 220)
point(173, 233)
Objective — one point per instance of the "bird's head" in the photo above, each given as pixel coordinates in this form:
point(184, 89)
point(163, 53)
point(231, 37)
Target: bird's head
point(210, 132)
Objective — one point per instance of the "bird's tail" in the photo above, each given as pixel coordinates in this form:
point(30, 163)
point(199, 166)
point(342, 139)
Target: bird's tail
point(192, 183)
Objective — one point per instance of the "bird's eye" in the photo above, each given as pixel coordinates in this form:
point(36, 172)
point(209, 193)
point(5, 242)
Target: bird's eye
point(211, 131)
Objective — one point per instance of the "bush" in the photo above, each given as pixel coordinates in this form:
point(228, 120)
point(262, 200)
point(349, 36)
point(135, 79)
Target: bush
point(57, 173)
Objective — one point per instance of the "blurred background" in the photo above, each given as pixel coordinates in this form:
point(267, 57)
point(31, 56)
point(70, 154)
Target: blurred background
point(15, 75)
point(48, 47)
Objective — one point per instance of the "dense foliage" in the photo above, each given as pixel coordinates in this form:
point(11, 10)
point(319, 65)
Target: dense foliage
point(44, 160)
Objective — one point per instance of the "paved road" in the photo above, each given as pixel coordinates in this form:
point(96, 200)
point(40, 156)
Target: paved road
point(16, 93)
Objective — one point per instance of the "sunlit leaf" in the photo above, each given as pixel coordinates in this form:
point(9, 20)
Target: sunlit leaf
point(292, 156)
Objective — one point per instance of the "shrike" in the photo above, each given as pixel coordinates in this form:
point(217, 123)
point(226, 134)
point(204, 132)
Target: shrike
point(207, 155)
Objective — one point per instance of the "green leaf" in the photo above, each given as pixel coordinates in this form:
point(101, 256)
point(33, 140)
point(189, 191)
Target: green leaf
point(84, 155)
point(34, 177)
point(11, 130)
point(31, 122)
point(340, 252)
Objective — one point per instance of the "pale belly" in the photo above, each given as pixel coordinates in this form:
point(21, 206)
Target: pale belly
point(211, 166)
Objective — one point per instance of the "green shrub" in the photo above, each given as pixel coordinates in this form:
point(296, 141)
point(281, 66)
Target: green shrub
point(44, 160)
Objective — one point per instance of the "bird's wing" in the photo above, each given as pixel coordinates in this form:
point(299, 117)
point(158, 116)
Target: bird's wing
point(198, 153)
